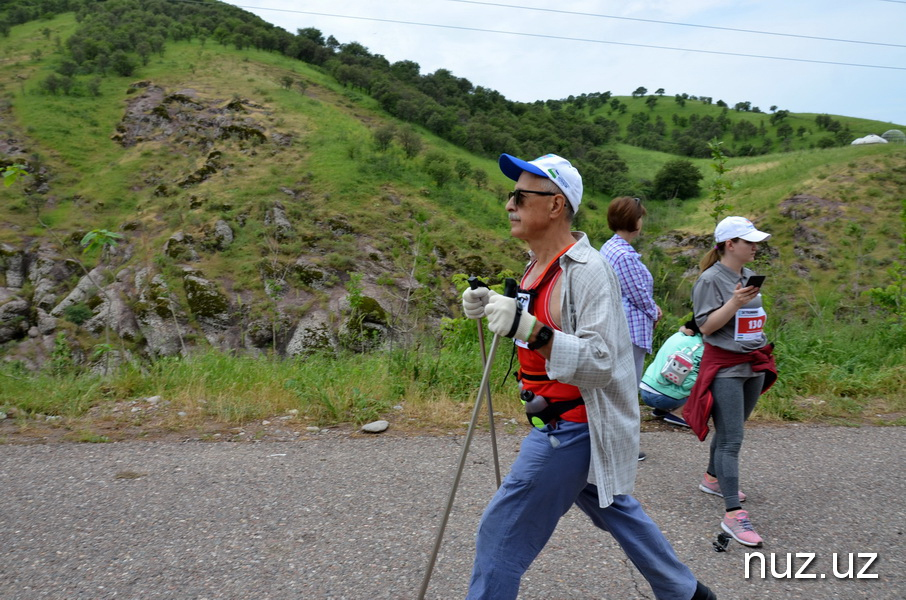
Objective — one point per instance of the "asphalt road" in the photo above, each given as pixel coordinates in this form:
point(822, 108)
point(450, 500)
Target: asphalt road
point(331, 515)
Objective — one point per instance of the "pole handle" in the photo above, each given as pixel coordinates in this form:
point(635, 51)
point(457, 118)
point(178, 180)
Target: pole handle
point(476, 283)
point(509, 288)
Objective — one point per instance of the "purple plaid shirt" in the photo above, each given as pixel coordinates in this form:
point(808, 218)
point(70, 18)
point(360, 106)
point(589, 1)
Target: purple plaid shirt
point(637, 287)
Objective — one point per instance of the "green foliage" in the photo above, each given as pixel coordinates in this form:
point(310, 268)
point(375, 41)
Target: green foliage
point(410, 141)
point(61, 357)
point(383, 136)
point(99, 240)
point(842, 367)
point(354, 289)
point(678, 178)
point(893, 296)
point(12, 173)
point(77, 313)
point(439, 169)
point(335, 169)
point(720, 185)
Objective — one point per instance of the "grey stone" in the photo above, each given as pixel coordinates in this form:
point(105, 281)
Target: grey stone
point(13, 319)
point(311, 334)
point(14, 265)
point(376, 427)
point(85, 289)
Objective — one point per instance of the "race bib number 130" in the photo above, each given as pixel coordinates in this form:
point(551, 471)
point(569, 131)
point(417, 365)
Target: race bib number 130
point(749, 324)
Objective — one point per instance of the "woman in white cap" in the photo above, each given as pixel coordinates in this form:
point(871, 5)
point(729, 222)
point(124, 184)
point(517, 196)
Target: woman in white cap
point(737, 365)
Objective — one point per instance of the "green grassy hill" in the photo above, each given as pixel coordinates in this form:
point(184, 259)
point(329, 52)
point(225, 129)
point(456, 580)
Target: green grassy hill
point(330, 208)
point(358, 208)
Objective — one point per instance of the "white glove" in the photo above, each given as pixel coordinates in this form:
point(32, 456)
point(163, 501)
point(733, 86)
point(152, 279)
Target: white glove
point(504, 319)
point(474, 301)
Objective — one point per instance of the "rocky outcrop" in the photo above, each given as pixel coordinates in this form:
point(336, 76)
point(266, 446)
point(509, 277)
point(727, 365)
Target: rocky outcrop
point(219, 236)
point(47, 272)
point(12, 261)
point(276, 218)
point(114, 310)
point(181, 247)
point(311, 334)
point(14, 319)
point(85, 289)
point(157, 315)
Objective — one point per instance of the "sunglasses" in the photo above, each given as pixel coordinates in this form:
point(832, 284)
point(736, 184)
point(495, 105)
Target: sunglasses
point(516, 195)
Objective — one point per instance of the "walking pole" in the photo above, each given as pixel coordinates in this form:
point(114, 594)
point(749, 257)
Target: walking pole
point(475, 283)
point(511, 292)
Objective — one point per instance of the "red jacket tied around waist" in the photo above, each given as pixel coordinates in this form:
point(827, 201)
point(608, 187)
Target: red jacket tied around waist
point(697, 409)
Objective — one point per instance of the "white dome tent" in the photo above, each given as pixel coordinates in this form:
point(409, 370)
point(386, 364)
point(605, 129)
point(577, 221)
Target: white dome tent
point(894, 136)
point(869, 139)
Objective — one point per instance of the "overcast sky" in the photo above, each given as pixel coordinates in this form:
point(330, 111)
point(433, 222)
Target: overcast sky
point(534, 50)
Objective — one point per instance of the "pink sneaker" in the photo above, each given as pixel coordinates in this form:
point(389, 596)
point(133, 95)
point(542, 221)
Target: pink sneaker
point(741, 529)
point(713, 487)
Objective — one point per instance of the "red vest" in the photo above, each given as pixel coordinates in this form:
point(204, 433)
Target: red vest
point(532, 369)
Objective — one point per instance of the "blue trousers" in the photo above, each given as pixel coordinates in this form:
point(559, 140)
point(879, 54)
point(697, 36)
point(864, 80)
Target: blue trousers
point(661, 401)
point(548, 477)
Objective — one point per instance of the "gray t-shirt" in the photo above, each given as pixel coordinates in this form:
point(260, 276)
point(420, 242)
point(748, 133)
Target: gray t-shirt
point(743, 332)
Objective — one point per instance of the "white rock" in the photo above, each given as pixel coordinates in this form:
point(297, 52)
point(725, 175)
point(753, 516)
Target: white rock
point(376, 427)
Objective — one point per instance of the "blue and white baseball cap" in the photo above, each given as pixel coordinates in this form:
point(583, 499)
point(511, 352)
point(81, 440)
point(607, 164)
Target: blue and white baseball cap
point(557, 169)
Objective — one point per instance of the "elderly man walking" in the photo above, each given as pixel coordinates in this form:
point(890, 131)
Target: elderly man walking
point(577, 376)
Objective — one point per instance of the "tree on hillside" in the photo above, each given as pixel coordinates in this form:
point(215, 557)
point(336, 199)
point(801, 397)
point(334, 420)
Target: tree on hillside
point(437, 166)
point(480, 177)
point(605, 171)
point(122, 64)
point(406, 70)
point(383, 136)
point(639, 92)
point(645, 133)
point(311, 34)
point(410, 142)
point(743, 130)
point(779, 116)
point(677, 179)
point(785, 131)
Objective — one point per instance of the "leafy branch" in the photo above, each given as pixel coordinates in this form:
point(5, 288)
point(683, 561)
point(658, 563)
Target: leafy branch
point(721, 185)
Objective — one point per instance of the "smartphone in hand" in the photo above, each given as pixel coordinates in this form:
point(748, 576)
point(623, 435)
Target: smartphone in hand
point(756, 280)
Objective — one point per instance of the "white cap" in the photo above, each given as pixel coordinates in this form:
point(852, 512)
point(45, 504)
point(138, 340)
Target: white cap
point(557, 169)
point(738, 227)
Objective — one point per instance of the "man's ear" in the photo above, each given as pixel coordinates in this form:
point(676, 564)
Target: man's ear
point(558, 205)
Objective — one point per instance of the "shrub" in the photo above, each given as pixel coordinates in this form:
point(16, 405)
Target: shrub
point(77, 313)
point(677, 179)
